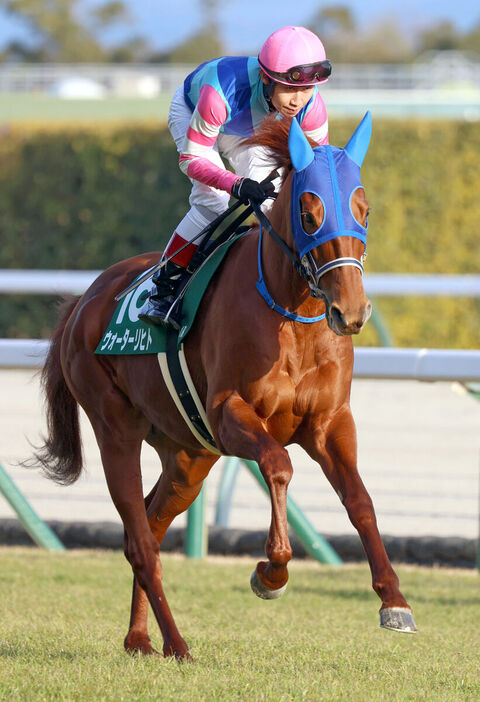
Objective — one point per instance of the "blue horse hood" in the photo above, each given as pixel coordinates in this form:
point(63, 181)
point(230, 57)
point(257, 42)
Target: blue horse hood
point(333, 177)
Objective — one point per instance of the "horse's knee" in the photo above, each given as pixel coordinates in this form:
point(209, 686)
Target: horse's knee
point(144, 561)
point(277, 466)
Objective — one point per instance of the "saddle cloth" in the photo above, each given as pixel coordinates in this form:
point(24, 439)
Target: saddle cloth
point(128, 335)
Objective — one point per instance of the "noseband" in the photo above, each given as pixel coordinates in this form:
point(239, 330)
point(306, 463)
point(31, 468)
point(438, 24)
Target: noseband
point(314, 273)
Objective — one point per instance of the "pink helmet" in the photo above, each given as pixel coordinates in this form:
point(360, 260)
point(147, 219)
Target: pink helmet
point(294, 56)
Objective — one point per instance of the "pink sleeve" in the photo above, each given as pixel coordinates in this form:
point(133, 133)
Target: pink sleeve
point(207, 172)
point(209, 115)
point(315, 122)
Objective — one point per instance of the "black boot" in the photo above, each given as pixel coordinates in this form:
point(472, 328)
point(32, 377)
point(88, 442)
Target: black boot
point(158, 308)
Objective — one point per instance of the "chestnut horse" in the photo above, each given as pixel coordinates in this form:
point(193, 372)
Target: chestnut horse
point(266, 376)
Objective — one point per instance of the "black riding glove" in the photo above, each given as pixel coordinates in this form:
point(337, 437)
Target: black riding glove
point(247, 189)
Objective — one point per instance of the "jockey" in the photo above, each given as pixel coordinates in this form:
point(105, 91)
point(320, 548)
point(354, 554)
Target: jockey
point(219, 105)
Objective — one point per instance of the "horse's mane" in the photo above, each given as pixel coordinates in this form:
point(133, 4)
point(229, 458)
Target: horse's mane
point(273, 135)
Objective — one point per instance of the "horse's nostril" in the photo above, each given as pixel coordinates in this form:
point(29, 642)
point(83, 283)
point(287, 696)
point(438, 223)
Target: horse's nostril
point(337, 317)
point(368, 310)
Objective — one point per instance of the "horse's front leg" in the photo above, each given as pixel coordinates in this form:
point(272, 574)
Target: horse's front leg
point(242, 433)
point(335, 448)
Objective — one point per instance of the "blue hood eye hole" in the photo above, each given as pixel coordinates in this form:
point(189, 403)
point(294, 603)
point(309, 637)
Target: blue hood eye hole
point(363, 207)
point(312, 213)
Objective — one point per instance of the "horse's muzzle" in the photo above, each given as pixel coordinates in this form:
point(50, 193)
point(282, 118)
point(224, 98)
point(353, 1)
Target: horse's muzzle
point(347, 323)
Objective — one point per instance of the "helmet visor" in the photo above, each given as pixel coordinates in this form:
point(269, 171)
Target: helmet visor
point(302, 75)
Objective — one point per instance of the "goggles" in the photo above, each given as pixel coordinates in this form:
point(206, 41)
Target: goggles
point(301, 75)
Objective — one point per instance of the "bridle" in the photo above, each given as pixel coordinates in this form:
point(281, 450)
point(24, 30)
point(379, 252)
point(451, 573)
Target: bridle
point(306, 268)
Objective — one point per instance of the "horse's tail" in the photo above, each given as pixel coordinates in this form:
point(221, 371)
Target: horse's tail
point(61, 455)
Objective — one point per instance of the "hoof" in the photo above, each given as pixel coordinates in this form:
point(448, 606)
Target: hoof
point(139, 645)
point(181, 653)
point(264, 592)
point(398, 619)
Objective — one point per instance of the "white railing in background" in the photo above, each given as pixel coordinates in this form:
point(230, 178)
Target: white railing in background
point(117, 80)
point(380, 363)
point(375, 363)
point(45, 282)
point(445, 69)
point(59, 282)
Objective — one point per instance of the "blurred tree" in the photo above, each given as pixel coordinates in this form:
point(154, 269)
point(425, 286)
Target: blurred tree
point(346, 43)
point(332, 19)
point(105, 15)
point(136, 49)
point(66, 31)
point(57, 33)
point(441, 37)
point(384, 43)
point(16, 51)
point(471, 41)
point(205, 44)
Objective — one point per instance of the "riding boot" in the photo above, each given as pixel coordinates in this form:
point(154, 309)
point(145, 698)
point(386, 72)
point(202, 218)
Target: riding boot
point(160, 307)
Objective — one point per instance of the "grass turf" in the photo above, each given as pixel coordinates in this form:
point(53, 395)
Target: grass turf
point(43, 108)
point(63, 618)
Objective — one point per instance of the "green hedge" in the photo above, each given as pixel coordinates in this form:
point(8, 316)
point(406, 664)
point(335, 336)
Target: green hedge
point(77, 197)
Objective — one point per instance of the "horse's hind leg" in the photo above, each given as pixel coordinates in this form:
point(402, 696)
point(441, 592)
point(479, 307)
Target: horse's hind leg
point(337, 453)
point(120, 431)
point(137, 639)
point(177, 488)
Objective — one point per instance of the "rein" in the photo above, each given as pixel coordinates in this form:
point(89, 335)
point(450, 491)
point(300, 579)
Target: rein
point(299, 267)
point(308, 272)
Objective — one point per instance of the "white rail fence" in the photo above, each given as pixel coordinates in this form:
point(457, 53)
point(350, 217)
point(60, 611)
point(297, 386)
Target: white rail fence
point(379, 363)
point(61, 282)
point(375, 363)
point(148, 80)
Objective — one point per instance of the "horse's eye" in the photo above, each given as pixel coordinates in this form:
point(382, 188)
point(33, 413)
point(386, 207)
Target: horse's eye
point(308, 222)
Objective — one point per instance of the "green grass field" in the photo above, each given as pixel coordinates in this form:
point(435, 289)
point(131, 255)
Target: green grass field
point(63, 618)
point(43, 108)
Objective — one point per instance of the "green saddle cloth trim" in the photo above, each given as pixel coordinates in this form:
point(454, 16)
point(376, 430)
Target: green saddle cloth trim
point(127, 335)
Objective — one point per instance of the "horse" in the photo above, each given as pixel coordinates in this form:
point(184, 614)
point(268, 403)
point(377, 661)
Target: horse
point(268, 375)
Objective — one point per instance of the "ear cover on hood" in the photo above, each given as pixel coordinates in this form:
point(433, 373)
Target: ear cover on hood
point(359, 142)
point(301, 152)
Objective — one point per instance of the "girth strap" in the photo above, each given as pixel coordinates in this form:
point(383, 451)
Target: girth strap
point(180, 385)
